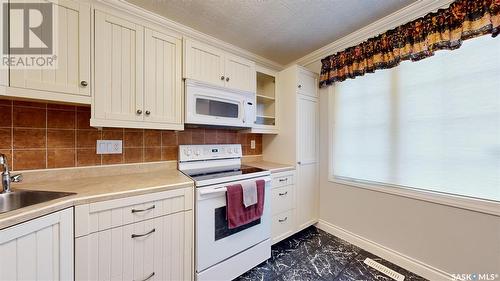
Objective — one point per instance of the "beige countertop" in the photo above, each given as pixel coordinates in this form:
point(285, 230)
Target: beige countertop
point(271, 166)
point(93, 185)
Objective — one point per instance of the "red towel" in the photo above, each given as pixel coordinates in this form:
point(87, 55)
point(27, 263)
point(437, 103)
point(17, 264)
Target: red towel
point(237, 214)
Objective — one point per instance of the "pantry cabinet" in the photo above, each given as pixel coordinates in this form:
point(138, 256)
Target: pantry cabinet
point(136, 238)
point(205, 63)
point(40, 249)
point(69, 79)
point(298, 141)
point(133, 90)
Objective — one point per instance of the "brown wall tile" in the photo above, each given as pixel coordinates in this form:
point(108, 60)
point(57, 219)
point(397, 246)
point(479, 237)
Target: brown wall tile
point(5, 138)
point(152, 154)
point(152, 138)
point(112, 134)
point(5, 116)
point(29, 117)
point(29, 138)
point(169, 153)
point(61, 138)
point(83, 120)
point(7, 153)
point(29, 159)
point(133, 155)
point(87, 138)
point(133, 139)
point(108, 159)
point(168, 138)
point(87, 157)
point(61, 119)
point(61, 158)
point(184, 137)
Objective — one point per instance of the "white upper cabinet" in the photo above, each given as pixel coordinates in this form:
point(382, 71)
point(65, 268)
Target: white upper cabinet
point(70, 80)
point(119, 54)
point(240, 73)
point(307, 83)
point(205, 63)
point(138, 81)
point(163, 93)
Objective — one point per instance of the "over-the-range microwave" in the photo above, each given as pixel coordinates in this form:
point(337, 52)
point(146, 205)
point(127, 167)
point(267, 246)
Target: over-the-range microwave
point(219, 106)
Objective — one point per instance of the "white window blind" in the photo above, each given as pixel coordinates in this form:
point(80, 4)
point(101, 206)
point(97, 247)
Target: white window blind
point(432, 124)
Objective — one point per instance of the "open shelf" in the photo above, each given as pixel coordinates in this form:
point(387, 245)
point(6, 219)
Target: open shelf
point(265, 98)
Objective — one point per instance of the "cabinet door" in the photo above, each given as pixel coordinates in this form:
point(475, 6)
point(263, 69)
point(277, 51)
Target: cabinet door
point(40, 249)
point(72, 41)
point(119, 55)
point(307, 168)
point(307, 83)
point(159, 248)
point(204, 63)
point(163, 87)
point(240, 74)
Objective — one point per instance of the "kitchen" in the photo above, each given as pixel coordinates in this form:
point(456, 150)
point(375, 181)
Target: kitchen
point(160, 147)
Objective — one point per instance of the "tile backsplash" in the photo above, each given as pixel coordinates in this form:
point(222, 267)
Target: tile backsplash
point(37, 135)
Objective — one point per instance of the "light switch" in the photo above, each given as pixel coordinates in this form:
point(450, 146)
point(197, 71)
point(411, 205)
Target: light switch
point(109, 147)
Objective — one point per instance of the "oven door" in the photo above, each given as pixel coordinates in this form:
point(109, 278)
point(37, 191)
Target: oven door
point(214, 241)
point(210, 105)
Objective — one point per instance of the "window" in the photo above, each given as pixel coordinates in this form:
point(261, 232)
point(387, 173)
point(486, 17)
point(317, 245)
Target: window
point(430, 125)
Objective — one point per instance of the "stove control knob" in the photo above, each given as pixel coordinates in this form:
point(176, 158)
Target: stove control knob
point(188, 152)
point(236, 150)
point(197, 152)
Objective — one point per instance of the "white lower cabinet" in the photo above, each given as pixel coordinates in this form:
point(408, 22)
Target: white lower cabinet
point(145, 237)
point(283, 205)
point(40, 249)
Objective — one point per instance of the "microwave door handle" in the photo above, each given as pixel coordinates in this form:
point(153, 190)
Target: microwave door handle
point(244, 114)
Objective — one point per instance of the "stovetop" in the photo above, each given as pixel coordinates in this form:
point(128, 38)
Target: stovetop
point(220, 173)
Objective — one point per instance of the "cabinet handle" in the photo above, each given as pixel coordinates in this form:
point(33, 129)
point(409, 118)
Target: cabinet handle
point(222, 78)
point(227, 79)
point(282, 180)
point(283, 220)
point(142, 210)
point(145, 234)
point(84, 83)
point(283, 194)
point(149, 277)
point(300, 163)
point(139, 111)
point(300, 86)
point(148, 112)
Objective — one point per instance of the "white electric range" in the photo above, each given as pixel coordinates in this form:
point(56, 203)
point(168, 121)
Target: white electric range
point(223, 253)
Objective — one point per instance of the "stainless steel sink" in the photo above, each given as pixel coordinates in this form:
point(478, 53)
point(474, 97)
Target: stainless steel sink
point(23, 198)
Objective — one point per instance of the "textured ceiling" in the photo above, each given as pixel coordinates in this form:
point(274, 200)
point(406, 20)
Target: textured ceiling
point(280, 30)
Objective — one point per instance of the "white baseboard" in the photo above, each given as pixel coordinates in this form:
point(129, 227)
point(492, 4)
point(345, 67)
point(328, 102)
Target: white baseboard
point(395, 257)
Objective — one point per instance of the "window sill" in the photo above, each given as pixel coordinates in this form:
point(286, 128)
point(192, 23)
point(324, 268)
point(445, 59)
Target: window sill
point(467, 203)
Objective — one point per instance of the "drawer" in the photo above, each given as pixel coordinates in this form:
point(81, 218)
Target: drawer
point(282, 225)
point(282, 180)
point(104, 215)
point(157, 247)
point(282, 199)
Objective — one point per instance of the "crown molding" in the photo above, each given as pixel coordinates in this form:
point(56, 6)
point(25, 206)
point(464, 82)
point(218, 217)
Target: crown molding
point(147, 15)
point(402, 16)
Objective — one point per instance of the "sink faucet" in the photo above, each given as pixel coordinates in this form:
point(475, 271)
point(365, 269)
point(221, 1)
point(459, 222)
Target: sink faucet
point(6, 178)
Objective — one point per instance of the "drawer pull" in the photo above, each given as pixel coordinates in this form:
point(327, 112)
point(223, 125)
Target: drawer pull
point(143, 210)
point(145, 234)
point(149, 277)
point(283, 194)
point(283, 220)
point(283, 180)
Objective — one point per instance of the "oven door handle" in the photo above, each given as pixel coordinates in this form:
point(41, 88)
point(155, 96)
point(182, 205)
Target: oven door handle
point(222, 188)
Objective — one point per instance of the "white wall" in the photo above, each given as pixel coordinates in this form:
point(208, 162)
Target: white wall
point(450, 239)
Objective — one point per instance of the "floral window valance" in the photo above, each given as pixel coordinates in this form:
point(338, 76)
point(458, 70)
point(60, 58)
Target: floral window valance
point(416, 40)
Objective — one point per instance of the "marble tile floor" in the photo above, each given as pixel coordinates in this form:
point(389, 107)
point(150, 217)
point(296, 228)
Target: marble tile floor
point(313, 254)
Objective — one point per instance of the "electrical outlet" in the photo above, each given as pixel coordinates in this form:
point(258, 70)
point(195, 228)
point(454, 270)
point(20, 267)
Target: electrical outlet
point(252, 144)
point(109, 147)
